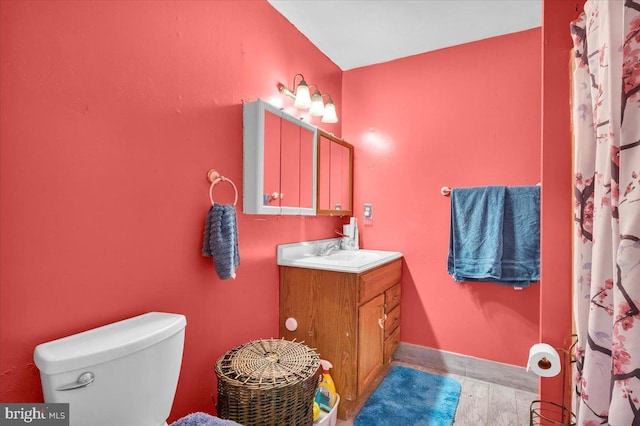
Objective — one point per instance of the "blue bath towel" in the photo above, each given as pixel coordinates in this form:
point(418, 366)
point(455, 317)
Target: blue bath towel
point(495, 235)
point(475, 251)
point(221, 239)
point(203, 419)
point(521, 236)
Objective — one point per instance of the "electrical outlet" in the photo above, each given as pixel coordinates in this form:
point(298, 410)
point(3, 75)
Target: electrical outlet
point(368, 214)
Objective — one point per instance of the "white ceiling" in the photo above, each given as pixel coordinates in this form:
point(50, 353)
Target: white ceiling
point(356, 33)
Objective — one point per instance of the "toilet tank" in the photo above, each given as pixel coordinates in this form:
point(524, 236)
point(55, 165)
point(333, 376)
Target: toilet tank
point(124, 373)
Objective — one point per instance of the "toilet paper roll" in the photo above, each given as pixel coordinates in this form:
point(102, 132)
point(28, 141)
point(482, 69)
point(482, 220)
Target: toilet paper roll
point(544, 360)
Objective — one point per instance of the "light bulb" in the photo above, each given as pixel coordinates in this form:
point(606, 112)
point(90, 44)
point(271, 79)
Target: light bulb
point(317, 105)
point(303, 98)
point(330, 115)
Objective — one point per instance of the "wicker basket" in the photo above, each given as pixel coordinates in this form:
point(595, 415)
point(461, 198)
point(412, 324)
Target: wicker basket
point(268, 382)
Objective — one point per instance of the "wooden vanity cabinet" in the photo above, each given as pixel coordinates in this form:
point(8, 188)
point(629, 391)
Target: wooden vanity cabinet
point(352, 320)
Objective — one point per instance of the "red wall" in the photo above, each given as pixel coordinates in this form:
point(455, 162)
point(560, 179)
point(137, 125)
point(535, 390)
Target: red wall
point(463, 116)
point(110, 117)
point(112, 113)
point(557, 194)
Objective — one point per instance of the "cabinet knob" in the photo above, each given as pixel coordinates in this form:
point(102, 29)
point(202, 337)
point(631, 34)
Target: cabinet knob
point(291, 324)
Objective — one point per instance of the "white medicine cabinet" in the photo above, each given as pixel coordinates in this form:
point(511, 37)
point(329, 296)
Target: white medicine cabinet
point(280, 162)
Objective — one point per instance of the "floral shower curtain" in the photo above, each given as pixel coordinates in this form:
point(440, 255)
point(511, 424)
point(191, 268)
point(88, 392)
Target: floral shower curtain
point(606, 126)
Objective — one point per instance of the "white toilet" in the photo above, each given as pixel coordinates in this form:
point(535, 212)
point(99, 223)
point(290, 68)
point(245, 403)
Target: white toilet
point(121, 374)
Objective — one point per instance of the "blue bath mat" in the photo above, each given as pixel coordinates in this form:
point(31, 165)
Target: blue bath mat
point(411, 397)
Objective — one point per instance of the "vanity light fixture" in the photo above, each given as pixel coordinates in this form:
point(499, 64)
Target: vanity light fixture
point(314, 103)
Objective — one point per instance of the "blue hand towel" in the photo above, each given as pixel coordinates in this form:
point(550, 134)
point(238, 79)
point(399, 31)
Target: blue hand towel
point(221, 240)
point(495, 235)
point(476, 220)
point(202, 419)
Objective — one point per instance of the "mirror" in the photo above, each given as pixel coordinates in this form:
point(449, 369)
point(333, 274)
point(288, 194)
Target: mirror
point(335, 175)
point(279, 162)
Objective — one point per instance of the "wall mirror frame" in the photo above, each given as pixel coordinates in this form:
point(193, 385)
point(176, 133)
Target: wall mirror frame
point(335, 175)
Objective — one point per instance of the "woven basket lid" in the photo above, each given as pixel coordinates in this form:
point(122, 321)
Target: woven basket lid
point(267, 364)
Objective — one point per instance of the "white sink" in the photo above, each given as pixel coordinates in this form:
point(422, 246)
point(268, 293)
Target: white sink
point(303, 255)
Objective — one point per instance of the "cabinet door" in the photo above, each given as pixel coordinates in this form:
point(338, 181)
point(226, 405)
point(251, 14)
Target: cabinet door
point(272, 136)
point(289, 164)
point(307, 169)
point(324, 173)
point(335, 177)
point(340, 186)
point(279, 162)
point(370, 340)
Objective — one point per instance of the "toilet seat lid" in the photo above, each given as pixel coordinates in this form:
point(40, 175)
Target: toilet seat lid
point(107, 343)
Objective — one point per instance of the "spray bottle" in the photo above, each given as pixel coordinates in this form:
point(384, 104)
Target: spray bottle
point(326, 395)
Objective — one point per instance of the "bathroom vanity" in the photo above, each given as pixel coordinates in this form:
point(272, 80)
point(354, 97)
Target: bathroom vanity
point(352, 319)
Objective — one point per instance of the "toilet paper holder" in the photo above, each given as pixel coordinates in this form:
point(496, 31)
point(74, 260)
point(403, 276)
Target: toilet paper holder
point(547, 412)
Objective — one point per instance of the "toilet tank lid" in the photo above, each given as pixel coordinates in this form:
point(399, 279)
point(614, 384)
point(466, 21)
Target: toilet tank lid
point(107, 343)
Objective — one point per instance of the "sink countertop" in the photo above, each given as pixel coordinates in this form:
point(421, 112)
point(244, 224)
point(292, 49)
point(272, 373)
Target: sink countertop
point(303, 255)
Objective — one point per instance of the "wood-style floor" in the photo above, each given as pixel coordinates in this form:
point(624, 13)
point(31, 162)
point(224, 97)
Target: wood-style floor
point(483, 404)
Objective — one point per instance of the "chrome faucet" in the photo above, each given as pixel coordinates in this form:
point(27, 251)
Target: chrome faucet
point(347, 243)
point(326, 250)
